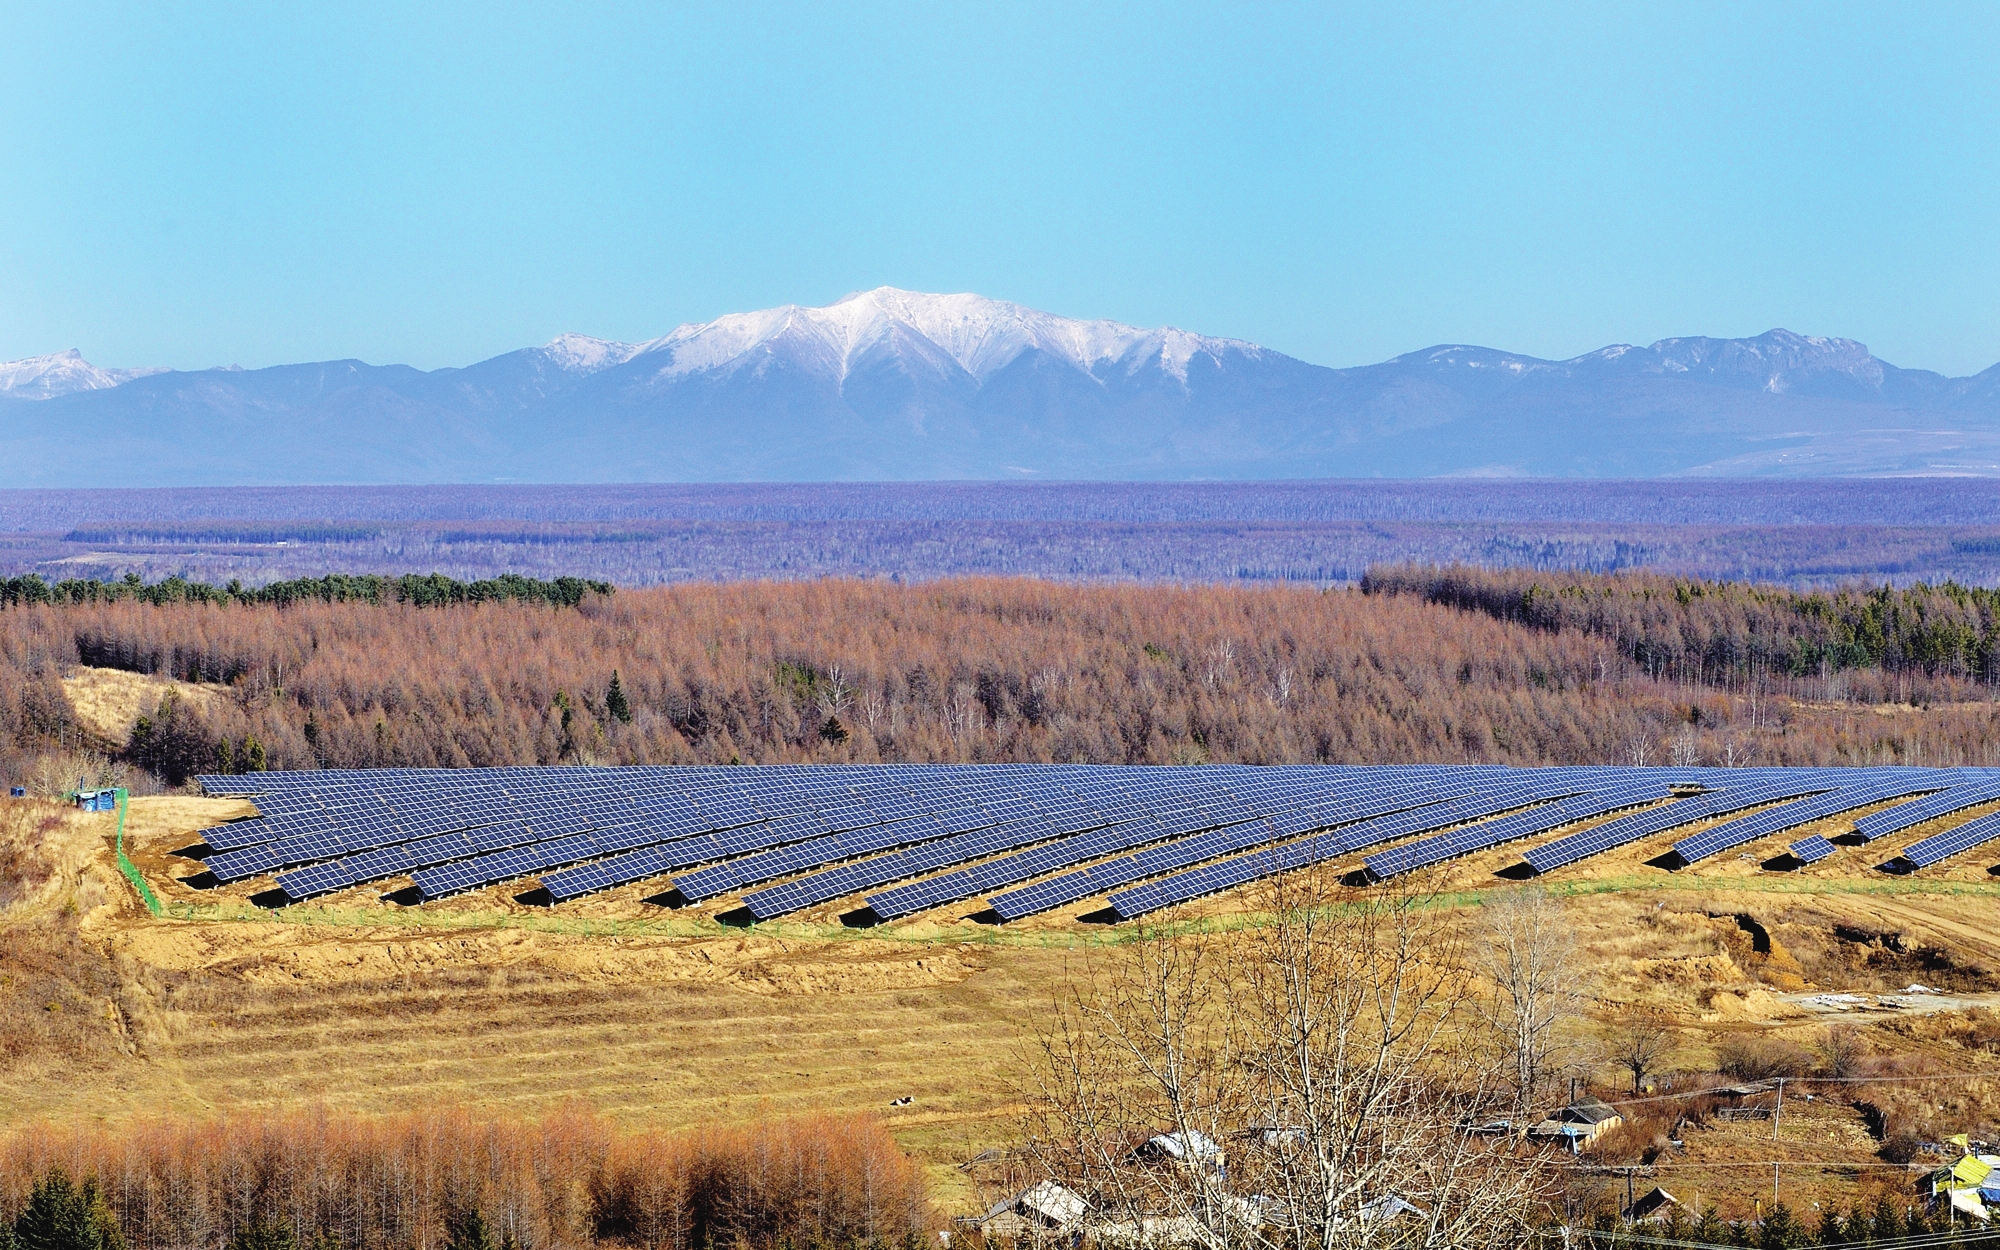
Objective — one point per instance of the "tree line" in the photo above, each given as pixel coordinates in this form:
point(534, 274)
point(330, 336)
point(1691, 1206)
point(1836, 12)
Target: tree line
point(445, 1180)
point(425, 590)
point(977, 670)
point(1717, 628)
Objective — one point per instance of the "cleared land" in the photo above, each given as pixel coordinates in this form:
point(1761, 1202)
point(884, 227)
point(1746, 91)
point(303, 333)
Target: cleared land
point(674, 1016)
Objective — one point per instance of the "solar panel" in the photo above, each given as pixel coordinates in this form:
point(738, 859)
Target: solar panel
point(1811, 849)
point(1968, 792)
point(1731, 834)
point(1680, 812)
point(1942, 846)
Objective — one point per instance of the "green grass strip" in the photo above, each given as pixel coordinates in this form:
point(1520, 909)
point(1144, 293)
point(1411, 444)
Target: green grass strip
point(125, 864)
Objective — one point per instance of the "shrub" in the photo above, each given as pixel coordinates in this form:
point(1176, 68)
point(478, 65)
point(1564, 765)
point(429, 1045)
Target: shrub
point(1754, 1058)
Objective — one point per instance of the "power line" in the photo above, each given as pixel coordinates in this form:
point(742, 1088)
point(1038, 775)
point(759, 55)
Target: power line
point(1758, 1163)
point(1919, 1242)
point(1720, 1090)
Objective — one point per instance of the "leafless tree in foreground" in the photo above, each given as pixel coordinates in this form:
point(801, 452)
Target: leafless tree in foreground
point(1529, 955)
point(1328, 1052)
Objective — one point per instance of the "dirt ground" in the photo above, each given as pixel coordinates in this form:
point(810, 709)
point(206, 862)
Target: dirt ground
point(675, 1016)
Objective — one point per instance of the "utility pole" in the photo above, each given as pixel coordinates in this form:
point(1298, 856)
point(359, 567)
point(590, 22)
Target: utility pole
point(1774, 1183)
point(1778, 1111)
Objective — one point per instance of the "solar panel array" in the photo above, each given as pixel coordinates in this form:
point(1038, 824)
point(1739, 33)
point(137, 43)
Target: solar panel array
point(1572, 808)
point(1029, 837)
point(1851, 791)
point(1350, 805)
point(1943, 846)
point(1966, 791)
point(1734, 797)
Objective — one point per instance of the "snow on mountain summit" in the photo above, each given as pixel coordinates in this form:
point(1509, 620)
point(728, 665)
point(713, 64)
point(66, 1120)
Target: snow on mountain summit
point(579, 353)
point(982, 336)
point(60, 373)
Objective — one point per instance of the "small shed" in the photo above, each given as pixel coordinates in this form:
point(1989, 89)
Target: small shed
point(1388, 1209)
point(1043, 1207)
point(1580, 1123)
point(97, 800)
point(1656, 1205)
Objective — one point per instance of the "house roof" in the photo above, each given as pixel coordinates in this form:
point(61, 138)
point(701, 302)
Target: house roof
point(1968, 1173)
point(1191, 1144)
point(1045, 1200)
point(1388, 1207)
point(1654, 1199)
point(1588, 1111)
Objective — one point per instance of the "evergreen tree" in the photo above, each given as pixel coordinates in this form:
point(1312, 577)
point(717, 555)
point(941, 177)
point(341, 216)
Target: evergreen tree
point(614, 700)
point(1888, 1223)
point(262, 1234)
point(1857, 1231)
point(465, 1229)
point(1832, 1231)
point(1781, 1231)
point(1918, 1223)
point(62, 1215)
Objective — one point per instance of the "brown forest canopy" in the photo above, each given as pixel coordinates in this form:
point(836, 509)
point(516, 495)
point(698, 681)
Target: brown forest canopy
point(569, 1180)
point(971, 670)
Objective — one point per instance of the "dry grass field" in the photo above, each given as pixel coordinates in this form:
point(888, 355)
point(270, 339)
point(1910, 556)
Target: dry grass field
point(108, 700)
point(674, 1016)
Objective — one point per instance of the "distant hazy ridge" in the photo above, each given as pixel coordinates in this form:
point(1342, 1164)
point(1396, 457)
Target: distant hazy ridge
point(892, 385)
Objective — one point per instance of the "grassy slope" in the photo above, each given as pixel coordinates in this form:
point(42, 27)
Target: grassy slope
point(675, 1017)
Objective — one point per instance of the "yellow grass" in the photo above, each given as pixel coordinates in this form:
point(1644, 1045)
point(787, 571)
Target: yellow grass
point(108, 700)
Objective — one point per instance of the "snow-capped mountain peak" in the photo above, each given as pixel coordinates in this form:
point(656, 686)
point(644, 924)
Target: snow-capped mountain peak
point(579, 353)
point(980, 335)
point(60, 373)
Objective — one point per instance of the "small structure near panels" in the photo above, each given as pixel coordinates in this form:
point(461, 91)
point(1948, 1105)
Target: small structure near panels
point(1579, 1124)
point(1970, 1185)
point(1192, 1148)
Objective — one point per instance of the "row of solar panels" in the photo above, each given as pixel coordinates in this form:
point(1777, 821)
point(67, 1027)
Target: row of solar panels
point(1030, 837)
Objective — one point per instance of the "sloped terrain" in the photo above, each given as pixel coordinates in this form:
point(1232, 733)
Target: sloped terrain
point(673, 1016)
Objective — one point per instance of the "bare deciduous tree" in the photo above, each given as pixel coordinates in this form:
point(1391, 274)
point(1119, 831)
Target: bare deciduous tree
point(1639, 1044)
point(1686, 750)
point(1530, 957)
point(1304, 1069)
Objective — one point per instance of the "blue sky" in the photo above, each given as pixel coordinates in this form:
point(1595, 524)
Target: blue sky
point(203, 184)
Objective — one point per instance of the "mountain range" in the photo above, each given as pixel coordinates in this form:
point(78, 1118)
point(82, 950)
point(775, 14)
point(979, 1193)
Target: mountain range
point(899, 385)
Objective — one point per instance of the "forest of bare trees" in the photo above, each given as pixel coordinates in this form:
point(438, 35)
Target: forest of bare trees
point(971, 670)
point(341, 1182)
